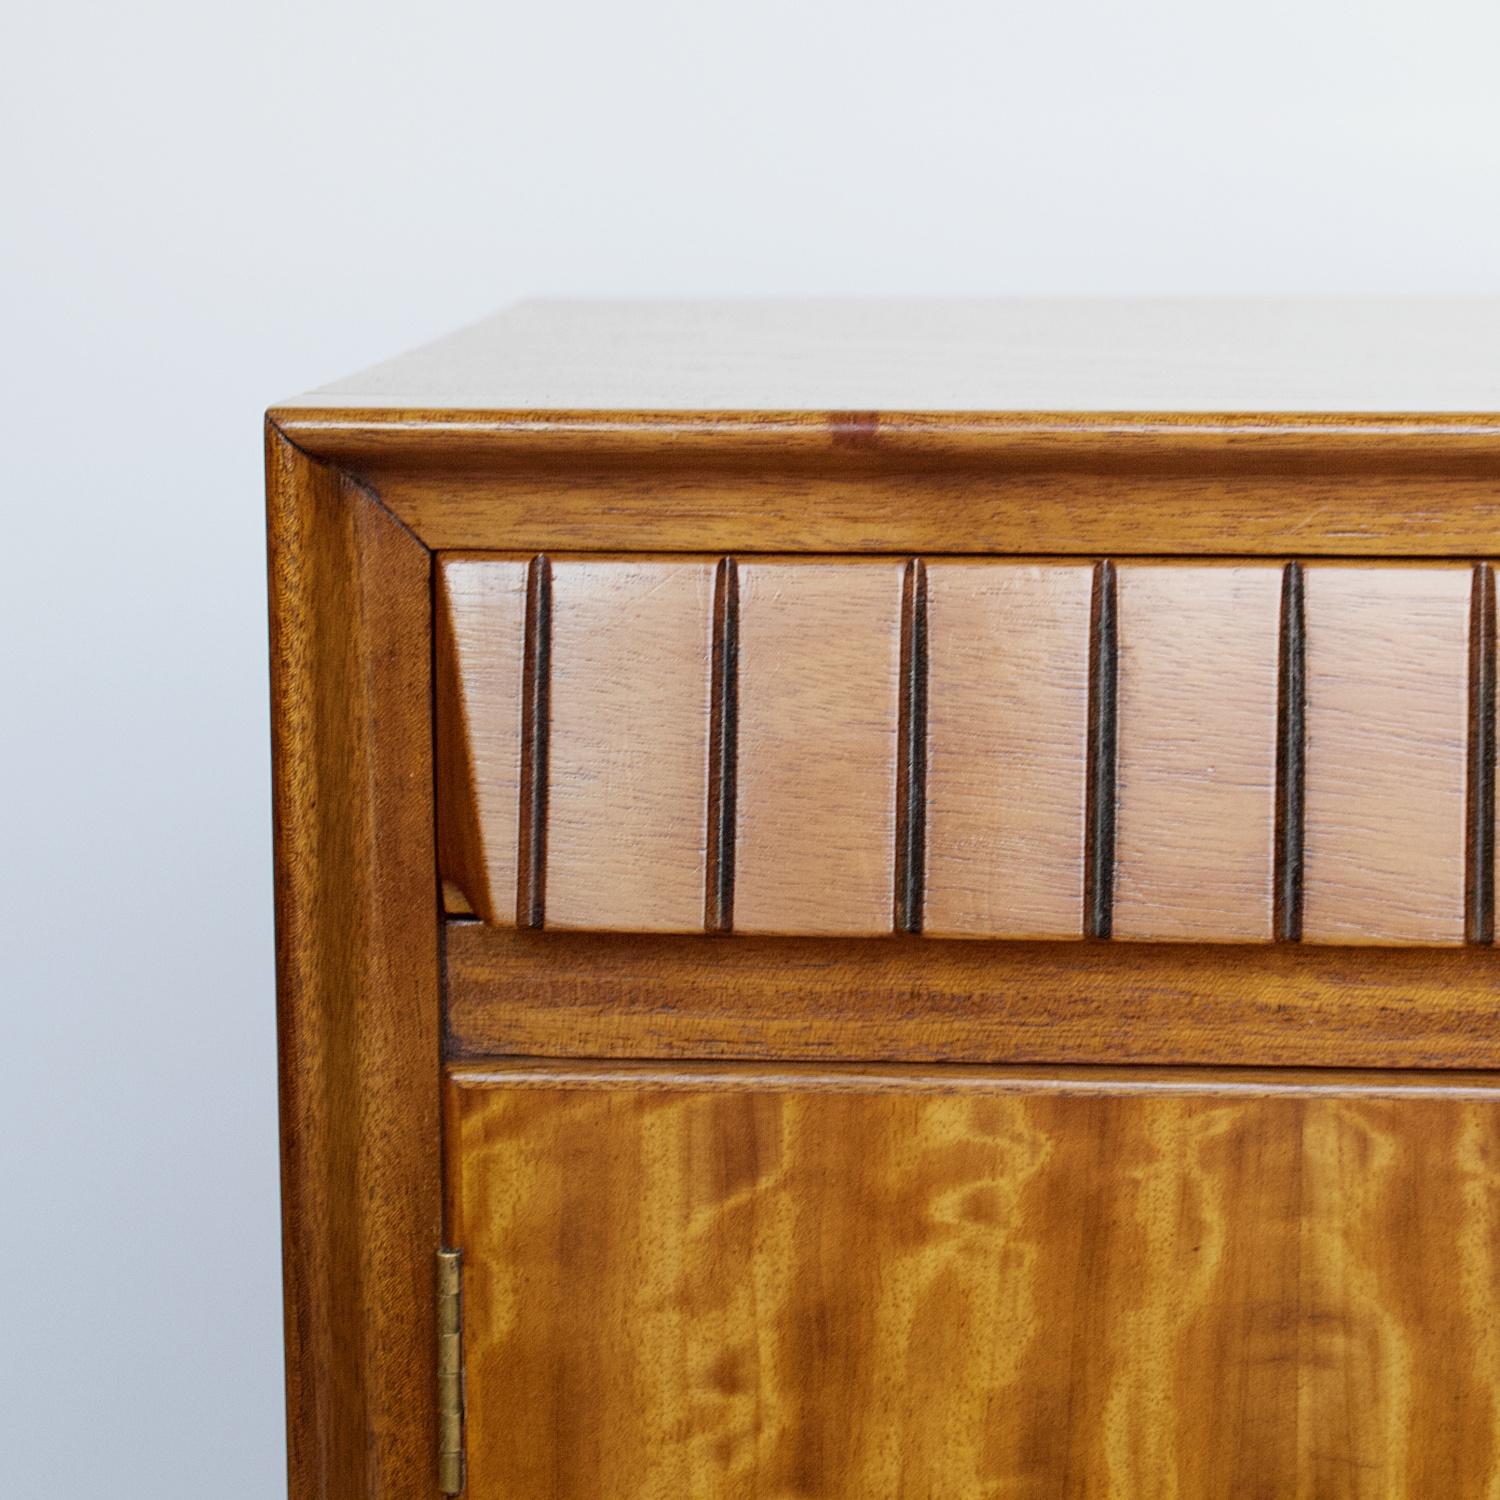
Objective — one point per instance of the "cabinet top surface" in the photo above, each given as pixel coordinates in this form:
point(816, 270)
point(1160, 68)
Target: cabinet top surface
point(1302, 355)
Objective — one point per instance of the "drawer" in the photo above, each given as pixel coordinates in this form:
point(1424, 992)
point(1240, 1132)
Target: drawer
point(1211, 751)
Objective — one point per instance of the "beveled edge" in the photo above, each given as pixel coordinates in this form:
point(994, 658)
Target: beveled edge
point(376, 436)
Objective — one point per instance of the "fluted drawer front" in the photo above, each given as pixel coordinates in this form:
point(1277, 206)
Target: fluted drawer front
point(1142, 750)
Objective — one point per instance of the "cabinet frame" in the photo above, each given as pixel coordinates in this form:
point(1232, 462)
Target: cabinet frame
point(358, 501)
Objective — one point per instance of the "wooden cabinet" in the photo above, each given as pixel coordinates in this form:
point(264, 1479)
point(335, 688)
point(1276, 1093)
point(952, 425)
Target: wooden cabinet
point(854, 922)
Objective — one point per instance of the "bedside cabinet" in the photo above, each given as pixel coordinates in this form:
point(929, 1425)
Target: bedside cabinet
point(885, 901)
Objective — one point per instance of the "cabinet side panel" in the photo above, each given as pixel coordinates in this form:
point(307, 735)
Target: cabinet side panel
point(357, 982)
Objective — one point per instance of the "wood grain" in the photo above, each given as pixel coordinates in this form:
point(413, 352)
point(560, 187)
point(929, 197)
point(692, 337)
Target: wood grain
point(358, 1003)
point(628, 744)
point(1103, 498)
point(696, 427)
point(1007, 748)
point(847, 1280)
point(481, 629)
point(819, 667)
point(1271, 1005)
point(1195, 787)
point(1111, 354)
point(1043, 1285)
point(1387, 752)
point(1091, 484)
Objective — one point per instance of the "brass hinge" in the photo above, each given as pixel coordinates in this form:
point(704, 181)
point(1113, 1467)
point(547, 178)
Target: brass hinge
point(450, 1371)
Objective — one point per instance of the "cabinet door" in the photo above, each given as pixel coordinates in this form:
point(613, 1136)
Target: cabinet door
point(897, 1284)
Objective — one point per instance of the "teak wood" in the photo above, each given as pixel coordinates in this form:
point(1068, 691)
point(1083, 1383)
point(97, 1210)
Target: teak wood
point(1150, 751)
point(1388, 691)
point(481, 625)
point(357, 969)
point(1195, 781)
point(817, 747)
point(1007, 687)
point(1283, 1004)
point(627, 745)
point(841, 856)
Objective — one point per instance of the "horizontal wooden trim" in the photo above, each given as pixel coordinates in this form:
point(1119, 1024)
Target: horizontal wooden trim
point(1051, 483)
point(923, 1000)
point(1096, 1082)
point(1422, 442)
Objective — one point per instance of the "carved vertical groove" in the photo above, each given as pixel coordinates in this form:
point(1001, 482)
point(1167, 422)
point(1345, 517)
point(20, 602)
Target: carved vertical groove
point(1479, 916)
point(722, 749)
point(1291, 743)
point(537, 681)
point(1099, 862)
point(911, 753)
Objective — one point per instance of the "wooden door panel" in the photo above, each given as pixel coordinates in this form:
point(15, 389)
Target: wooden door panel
point(868, 1284)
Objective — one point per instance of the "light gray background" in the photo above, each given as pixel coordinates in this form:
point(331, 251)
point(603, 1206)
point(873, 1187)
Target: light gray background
point(209, 207)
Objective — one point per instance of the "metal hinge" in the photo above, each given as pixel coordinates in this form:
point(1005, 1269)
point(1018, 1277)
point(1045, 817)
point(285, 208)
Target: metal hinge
point(450, 1371)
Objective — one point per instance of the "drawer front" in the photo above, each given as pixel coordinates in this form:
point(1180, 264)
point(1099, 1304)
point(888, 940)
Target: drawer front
point(1010, 749)
point(888, 1284)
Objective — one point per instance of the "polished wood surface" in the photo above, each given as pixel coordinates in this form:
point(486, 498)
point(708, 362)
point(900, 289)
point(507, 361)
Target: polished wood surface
point(1103, 427)
point(819, 664)
point(1284, 1004)
point(947, 355)
point(953, 1279)
point(854, 1282)
point(835, 746)
point(481, 629)
point(627, 744)
point(1387, 753)
point(1196, 767)
point(358, 994)
point(1094, 483)
point(1007, 748)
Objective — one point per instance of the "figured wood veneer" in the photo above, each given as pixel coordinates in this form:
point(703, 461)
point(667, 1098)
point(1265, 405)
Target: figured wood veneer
point(628, 744)
point(817, 758)
point(872, 1284)
point(1007, 748)
point(1195, 792)
point(1387, 753)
